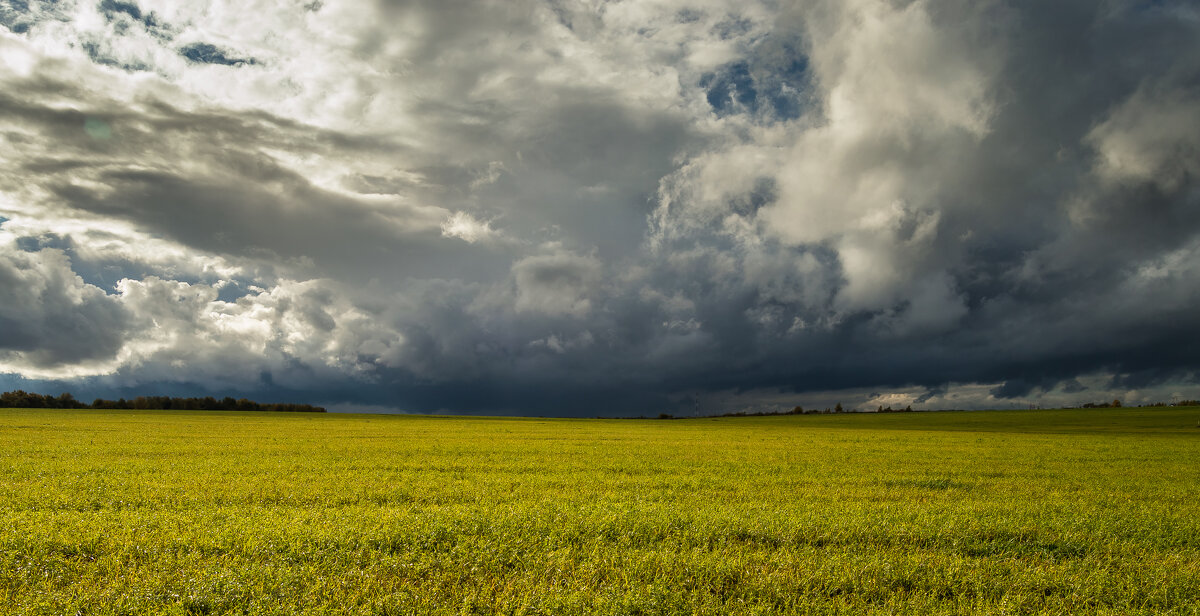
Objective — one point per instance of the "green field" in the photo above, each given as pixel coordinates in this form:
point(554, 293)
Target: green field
point(1014, 512)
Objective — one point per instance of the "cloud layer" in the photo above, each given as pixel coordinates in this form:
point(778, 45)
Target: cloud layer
point(587, 208)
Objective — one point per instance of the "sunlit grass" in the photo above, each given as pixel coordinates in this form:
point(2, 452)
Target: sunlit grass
point(134, 512)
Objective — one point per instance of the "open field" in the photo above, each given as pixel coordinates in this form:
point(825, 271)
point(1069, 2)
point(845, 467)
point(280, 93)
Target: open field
point(134, 512)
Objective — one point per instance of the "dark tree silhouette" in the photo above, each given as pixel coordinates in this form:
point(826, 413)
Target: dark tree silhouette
point(25, 400)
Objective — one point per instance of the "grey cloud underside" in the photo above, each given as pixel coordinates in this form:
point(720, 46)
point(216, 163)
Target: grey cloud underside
point(554, 209)
point(203, 180)
point(51, 316)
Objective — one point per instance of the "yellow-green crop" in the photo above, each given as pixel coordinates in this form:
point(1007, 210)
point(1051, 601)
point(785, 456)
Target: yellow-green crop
point(1055, 512)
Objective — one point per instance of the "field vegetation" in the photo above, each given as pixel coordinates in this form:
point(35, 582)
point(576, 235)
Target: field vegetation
point(111, 512)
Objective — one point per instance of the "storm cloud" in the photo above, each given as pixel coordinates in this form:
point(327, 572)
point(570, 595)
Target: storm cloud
point(624, 208)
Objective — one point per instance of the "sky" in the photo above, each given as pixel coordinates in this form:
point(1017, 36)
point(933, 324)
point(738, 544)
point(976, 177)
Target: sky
point(581, 208)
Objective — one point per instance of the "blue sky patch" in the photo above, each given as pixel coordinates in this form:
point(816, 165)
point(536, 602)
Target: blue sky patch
point(111, 8)
point(207, 53)
point(99, 56)
point(730, 90)
point(15, 16)
point(778, 92)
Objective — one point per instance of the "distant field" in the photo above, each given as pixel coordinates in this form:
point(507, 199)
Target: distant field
point(1016, 512)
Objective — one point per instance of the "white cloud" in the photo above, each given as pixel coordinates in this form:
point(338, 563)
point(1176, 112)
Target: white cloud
point(467, 228)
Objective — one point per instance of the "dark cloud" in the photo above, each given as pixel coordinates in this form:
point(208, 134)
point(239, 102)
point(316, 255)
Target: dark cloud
point(1020, 388)
point(553, 208)
point(1073, 386)
point(49, 317)
point(1151, 377)
point(931, 393)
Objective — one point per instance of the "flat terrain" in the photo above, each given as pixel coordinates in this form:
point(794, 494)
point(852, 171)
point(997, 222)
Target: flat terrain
point(1015, 512)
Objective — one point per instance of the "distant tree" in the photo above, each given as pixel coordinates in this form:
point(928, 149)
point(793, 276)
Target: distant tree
point(1116, 404)
point(837, 408)
point(22, 399)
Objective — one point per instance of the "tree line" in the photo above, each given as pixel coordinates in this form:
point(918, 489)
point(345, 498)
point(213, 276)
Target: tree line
point(1116, 404)
point(27, 400)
